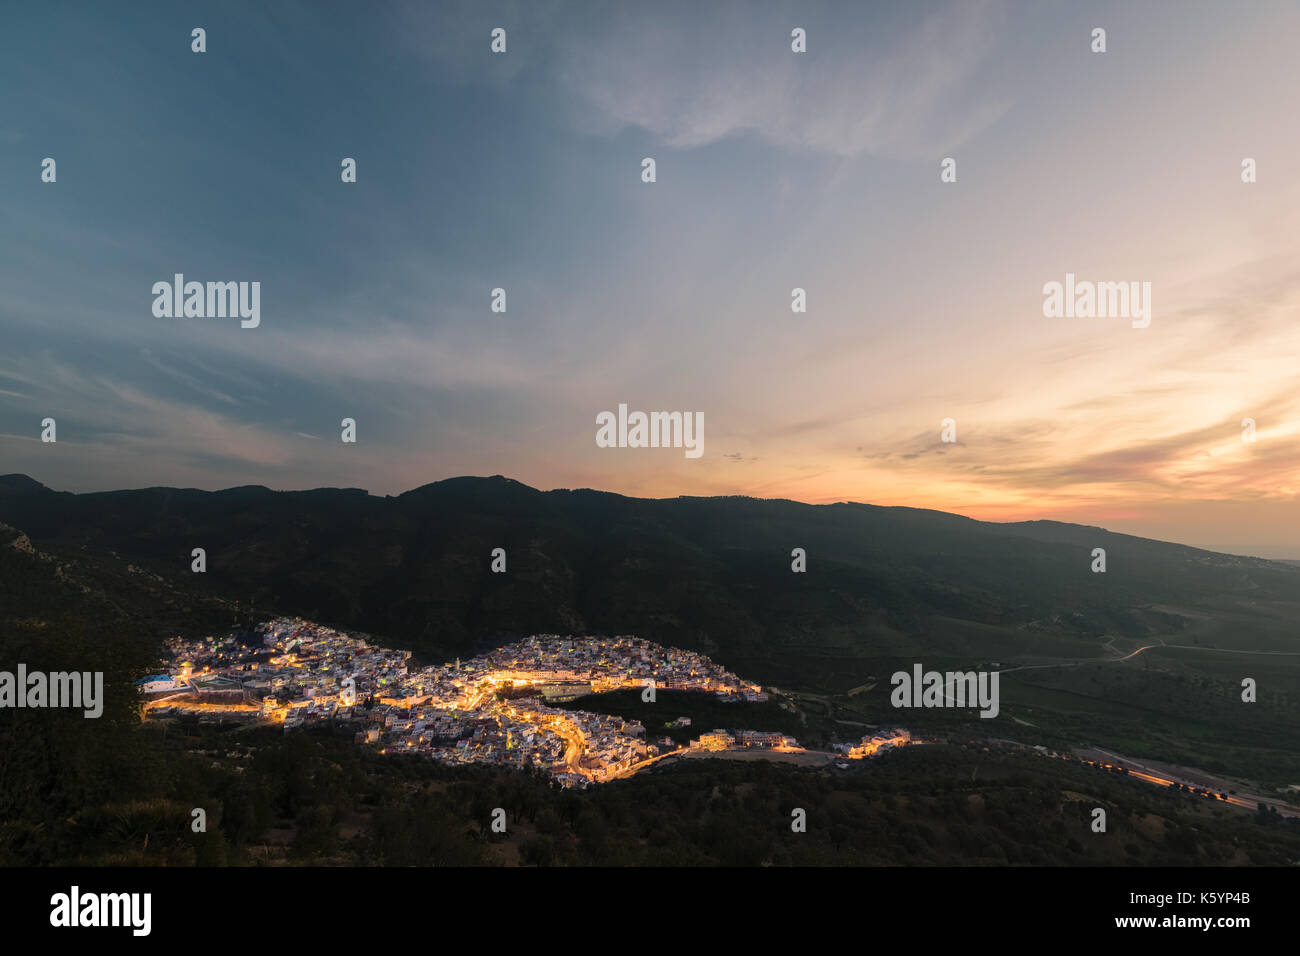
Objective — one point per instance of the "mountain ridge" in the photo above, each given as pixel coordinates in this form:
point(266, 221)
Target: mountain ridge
point(714, 574)
point(21, 484)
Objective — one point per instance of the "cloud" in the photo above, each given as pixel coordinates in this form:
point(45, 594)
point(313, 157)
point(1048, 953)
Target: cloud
point(187, 380)
point(865, 86)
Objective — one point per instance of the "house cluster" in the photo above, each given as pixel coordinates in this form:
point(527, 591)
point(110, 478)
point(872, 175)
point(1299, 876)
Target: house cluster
point(600, 664)
point(729, 739)
point(876, 744)
point(491, 709)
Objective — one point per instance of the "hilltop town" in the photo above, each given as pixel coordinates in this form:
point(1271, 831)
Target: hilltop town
point(494, 708)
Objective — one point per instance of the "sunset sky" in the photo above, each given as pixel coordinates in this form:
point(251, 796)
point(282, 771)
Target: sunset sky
point(775, 170)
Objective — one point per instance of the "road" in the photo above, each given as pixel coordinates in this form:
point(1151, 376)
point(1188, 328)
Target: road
point(1116, 660)
point(1166, 779)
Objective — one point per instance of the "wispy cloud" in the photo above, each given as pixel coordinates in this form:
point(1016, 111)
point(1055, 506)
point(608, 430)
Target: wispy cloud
point(904, 92)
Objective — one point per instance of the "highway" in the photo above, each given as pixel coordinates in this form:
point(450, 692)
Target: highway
point(1164, 779)
point(1129, 656)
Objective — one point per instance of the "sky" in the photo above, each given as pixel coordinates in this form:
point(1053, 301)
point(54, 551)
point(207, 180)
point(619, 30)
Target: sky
point(775, 170)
